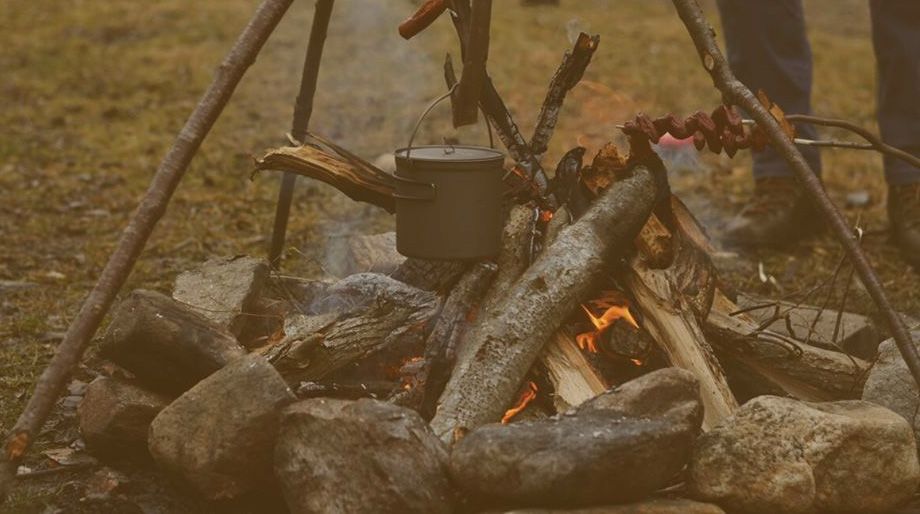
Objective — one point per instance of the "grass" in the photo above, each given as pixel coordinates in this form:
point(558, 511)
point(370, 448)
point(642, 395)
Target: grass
point(94, 92)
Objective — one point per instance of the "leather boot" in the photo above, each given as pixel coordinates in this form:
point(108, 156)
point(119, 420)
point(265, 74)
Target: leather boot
point(904, 216)
point(778, 213)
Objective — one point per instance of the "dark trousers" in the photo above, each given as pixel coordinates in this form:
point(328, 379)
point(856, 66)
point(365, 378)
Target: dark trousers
point(768, 50)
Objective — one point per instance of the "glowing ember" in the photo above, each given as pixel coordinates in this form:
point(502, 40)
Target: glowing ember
point(545, 216)
point(616, 307)
point(637, 362)
point(526, 397)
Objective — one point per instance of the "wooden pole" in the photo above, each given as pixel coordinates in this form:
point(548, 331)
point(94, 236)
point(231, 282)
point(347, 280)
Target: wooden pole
point(132, 240)
point(736, 93)
point(303, 109)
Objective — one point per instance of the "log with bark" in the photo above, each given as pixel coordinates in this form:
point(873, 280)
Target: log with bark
point(511, 335)
point(361, 315)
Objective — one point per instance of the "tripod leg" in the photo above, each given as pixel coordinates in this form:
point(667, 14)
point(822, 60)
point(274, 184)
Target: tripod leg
point(303, 108)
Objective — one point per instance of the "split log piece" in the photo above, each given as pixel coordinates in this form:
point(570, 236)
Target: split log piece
point(670, 300)
point(348, 173)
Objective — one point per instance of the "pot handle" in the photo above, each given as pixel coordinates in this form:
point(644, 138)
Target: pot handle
point(430, 107)
point(428, 195)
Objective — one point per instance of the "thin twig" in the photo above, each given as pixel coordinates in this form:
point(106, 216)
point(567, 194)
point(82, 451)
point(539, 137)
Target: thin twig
point(736, 93)
point(875, 141)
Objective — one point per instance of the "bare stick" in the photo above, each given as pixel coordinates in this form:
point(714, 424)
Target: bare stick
point(734, 92)
point(567, 75)
point(875, 141)
point(466, 97)
point(303, 109)
point(497, 112)
point(135, 235)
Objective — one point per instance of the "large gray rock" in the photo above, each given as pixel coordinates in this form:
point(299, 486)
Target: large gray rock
point(360, 456)
point(167, 346)
point(219, 435)
point(655, 506)
point(781, 455)
point(224, 290)
point(891, 385)
point(115, 415)
point(618, 447)
point(349, 254)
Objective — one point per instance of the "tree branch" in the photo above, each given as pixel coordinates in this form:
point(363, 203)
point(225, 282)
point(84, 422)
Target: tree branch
point(567, 75)
point(734, 92)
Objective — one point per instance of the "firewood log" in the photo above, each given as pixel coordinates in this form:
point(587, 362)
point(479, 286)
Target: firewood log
point(512, 334)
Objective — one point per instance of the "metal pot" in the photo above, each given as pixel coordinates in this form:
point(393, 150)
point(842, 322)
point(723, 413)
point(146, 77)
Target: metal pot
point(449, 202)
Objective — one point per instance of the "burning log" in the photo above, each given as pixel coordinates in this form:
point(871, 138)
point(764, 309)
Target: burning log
point(574, 379)
point(510, 336)
point(672, 299)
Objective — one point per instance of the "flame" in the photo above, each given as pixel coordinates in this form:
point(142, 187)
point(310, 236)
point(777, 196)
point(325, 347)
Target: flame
point(616, 308)
point(637, 362)
point(546, 215)
point(526, 397)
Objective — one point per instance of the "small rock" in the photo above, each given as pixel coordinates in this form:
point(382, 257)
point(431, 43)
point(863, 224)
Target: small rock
point(781, 455)
point(165, 345)
point(114, 416)
point(219, 435)
point(223, 290)
point(891, 385)
point(360, 456)
point(618, 447)
point(69, 457)
point(655, 506)
point(347, 255)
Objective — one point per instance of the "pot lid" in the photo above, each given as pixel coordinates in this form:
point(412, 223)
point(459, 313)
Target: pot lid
point(450, 153)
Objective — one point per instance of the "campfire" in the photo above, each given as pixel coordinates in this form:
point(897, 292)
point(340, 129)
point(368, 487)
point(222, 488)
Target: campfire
point(597, 359)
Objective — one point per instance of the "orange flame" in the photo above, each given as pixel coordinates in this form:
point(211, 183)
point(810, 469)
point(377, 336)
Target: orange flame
point(526, 397)
point(616, 308)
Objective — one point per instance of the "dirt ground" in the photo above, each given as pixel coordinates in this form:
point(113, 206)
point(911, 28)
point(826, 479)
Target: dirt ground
point(93, 92)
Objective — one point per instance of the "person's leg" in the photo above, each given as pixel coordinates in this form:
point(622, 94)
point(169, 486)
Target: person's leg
point(896, 38)
point(768, 49)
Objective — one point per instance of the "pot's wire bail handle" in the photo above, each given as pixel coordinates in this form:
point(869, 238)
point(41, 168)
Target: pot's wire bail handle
point(430, 107)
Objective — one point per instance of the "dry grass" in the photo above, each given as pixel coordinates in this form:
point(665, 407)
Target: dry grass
point(94, 91)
